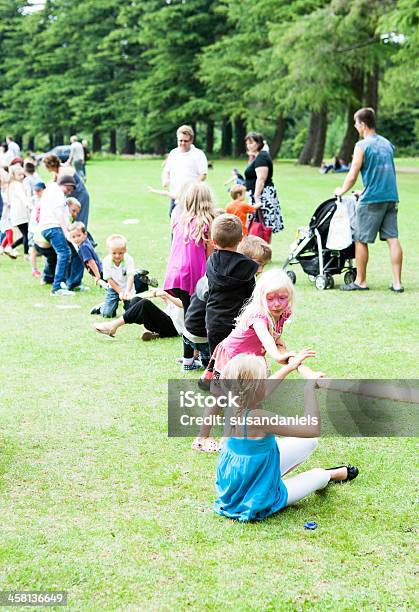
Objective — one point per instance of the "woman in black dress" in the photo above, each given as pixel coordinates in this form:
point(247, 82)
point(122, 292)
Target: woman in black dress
point(259, 181)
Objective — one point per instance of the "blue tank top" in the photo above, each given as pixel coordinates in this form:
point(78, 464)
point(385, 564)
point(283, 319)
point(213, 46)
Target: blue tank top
point(378, 172)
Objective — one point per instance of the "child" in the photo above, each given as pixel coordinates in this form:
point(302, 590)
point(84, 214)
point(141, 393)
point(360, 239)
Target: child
point(236, 178)
point(38, 190)
point(118, 270)
point(19, 206)
point(85, 250)
point(240, 207)
point(257, 249)
point(251, 465)
point(231, 279)
point(31, 178)
point(259, 325)
point(158, 323)
point(191, 243)
point(6, 227)
point(194, 333)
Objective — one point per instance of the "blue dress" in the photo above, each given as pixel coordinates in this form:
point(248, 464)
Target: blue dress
point(249, 484)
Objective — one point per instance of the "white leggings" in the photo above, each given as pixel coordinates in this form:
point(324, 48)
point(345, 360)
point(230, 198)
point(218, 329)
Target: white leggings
point(293, 452)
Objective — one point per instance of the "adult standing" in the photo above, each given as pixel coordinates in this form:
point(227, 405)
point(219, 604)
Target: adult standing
point(53, 227)
point(76, 158)
point(12, 147)
point(185, 164)
point(259, 174)
point(377, 206)
point(76, 268)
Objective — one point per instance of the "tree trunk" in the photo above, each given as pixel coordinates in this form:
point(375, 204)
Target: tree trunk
point(371, 94)
point(112, 141)
point(226, 138)
point(320, 137)
point(96, 142)
point(129, 145)
point(58, 138)
point(275, 146)
point(351, 135)
point(51, 140)
point(31, 143)
point(239, 135)
point(307, 153)
point(210, 136)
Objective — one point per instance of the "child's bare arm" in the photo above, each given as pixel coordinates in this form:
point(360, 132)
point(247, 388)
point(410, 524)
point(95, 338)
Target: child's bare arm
point(93, 269)
point(165, 296)
point(269, 343)
point(209, 247)
point(162, 192)
point(114, 285)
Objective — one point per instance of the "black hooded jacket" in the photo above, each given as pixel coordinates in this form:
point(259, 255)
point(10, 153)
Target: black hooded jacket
point(231, 280)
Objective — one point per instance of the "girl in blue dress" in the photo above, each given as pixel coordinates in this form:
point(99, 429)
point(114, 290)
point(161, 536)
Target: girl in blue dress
point(251, 465)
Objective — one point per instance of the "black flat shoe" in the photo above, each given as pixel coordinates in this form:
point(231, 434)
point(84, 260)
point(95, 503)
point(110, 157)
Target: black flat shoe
point(352, 473)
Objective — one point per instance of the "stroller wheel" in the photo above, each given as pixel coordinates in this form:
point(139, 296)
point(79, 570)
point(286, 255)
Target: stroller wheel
point(330, 281)
point(350, 276)
point(292, 276)
point(311, 278)
point(321, 282)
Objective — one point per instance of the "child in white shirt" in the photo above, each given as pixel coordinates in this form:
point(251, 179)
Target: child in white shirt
point(118, 271)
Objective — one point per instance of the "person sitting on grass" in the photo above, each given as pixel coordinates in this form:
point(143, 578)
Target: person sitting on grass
point(158, 323)
point(253, 461)
point(240, 207)
point(85, 250)
point(118, 271)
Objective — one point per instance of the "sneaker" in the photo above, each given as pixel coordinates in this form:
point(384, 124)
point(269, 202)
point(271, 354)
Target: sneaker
point(96, 309)
point(10, 252)
point(64, 286)
point(26, 257)
point(62, 292)
point(81, 288)
point(196, 365)
point(149, 335)
point(36, 273)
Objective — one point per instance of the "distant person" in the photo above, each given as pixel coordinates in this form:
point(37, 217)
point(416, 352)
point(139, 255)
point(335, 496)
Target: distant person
point(259, 182)
point(87, 156)
point(76, 158)
point(53, 165)
point(377, 210)
point(12, 147)
point(240, 207)
point(184, 164)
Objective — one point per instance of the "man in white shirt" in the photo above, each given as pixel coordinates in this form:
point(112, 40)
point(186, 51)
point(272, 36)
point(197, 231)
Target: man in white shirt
point(12, 147)
point(76, 158)
point(184, 164)
point(52, 225)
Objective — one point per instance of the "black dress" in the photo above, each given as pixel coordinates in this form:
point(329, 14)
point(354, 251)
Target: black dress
point(270, 202)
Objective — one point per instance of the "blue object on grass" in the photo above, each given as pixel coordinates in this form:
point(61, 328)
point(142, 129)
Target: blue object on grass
point(311, 525)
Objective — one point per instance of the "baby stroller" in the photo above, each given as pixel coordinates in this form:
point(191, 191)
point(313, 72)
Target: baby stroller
point(310, 251)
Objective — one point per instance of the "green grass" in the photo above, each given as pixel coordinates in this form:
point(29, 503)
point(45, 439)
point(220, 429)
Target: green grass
point(96, 500)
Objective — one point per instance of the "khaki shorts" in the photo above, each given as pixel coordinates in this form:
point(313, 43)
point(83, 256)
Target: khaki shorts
point(373, 218)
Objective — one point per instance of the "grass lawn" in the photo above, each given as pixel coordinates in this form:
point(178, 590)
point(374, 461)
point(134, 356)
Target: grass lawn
point(96, 500)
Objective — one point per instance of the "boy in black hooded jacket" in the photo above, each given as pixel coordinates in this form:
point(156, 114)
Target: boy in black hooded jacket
point(231, 279)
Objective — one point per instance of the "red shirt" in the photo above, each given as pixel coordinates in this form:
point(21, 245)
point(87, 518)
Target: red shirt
point(240, 208)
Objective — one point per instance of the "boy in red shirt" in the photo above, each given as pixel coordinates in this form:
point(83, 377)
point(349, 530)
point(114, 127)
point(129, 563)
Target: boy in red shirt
point(239, 206)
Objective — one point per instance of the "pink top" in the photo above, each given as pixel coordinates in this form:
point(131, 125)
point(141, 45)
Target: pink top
point(187, 260)
point(245, 340)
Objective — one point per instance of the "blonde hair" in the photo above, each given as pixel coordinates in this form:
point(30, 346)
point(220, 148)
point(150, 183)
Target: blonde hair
point(198, 207)
point(246, 375)
point(272, 280)
point(14, 171)
point(256, 248)
point(73, 201)
point(237, 191)
point(78, 225)
point(116, 238)
point(187, 130)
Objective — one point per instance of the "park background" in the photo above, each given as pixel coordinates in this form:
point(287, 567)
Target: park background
point(94, 498)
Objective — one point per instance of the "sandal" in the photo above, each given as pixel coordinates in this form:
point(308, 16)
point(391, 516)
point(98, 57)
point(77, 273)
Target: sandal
point(103, 329)
point(352, 473)
point(206, 445)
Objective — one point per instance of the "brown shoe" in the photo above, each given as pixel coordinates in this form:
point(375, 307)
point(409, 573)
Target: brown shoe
point(149, 335)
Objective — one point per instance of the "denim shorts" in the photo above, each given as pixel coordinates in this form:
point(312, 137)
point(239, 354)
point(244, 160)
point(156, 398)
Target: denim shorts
point(373, 218)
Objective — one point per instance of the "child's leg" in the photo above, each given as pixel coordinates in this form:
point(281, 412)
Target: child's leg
point(303, 484)
point(144, 312)
point(32, 258)
point(8, 239)
point(109, 308)
point(294, 451)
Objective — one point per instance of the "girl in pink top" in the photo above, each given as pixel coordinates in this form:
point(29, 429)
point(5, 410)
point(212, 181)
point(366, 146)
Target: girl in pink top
point(257, 332)
point(191, 244)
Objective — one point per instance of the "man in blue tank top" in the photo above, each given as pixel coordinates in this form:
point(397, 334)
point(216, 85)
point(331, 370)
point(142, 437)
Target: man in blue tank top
point(377, 206)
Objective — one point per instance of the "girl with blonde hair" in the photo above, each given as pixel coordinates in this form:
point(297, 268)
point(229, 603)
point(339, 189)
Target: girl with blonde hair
point(191, 244)
point(253, 461)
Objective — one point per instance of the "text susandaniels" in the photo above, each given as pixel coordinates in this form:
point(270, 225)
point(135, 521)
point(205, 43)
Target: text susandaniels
point(255, 421)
